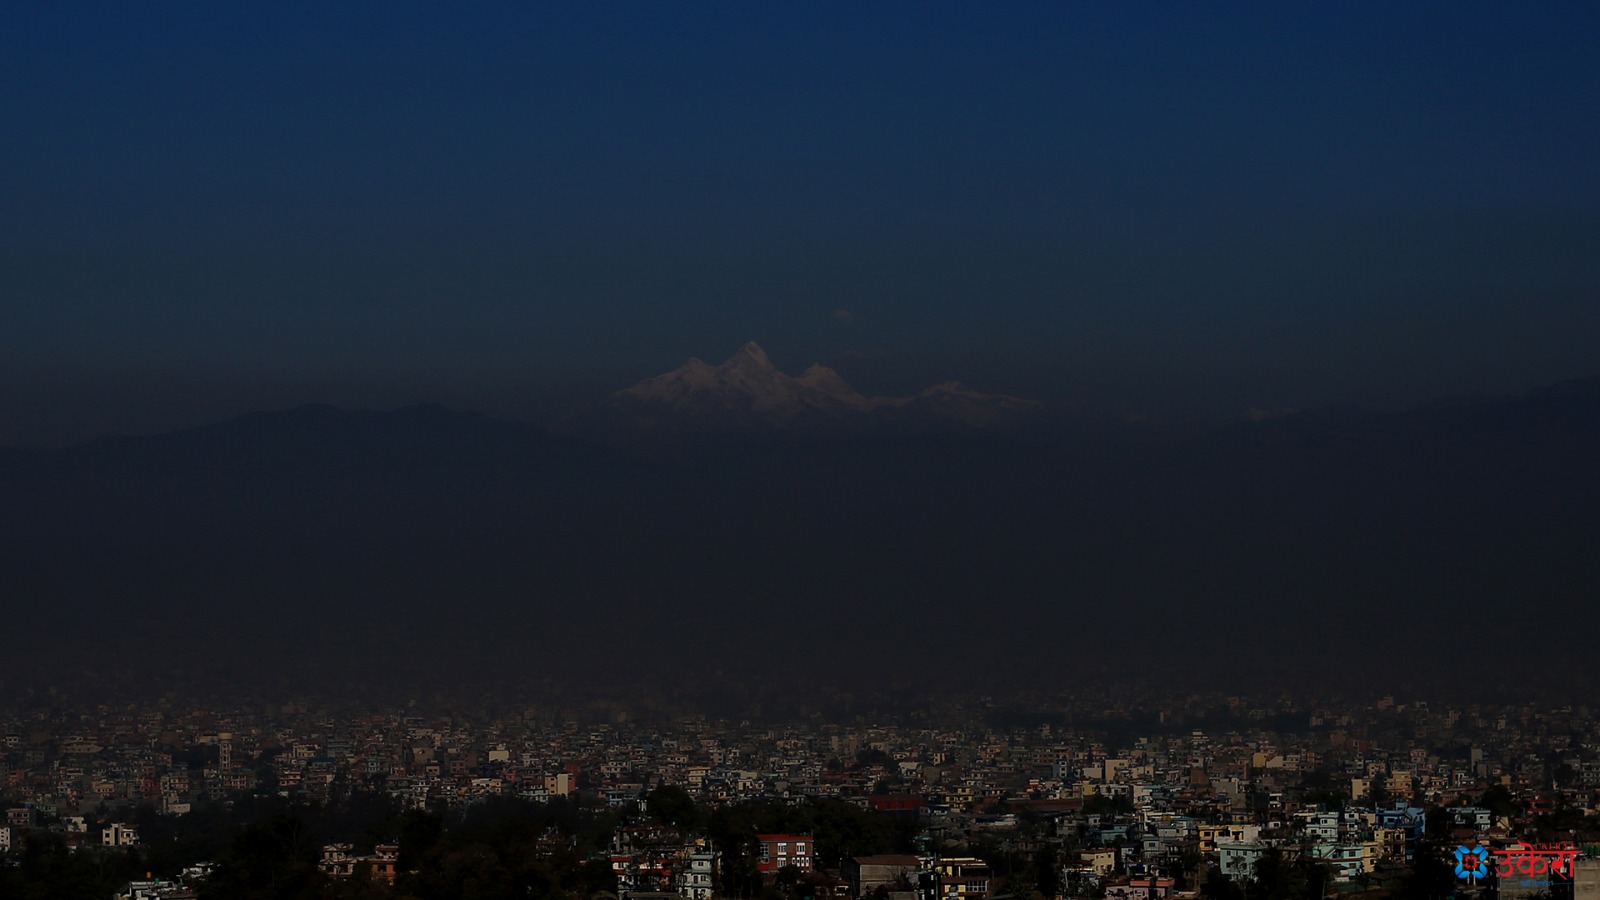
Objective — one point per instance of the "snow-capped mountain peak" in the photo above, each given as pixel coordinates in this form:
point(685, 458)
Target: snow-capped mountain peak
point(749, 391)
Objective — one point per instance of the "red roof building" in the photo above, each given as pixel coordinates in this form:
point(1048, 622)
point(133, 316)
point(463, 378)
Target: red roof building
point(779, 850)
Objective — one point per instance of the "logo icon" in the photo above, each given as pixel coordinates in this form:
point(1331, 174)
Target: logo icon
point(1472, 862)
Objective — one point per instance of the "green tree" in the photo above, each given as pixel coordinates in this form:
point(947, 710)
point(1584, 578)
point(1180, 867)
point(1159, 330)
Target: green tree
point(1497, 800)
point(1103, 804)
point(787, 877)
point(672, 805)
point(1431, 875)
point(596, 876)
point(275, 858)
point(1045, 872)
point(1277, 878)
point(1218, 886)
point(420, 832)
point(1188, 865)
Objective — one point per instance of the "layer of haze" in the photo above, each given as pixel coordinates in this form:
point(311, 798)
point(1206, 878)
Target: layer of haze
point(1181, 209)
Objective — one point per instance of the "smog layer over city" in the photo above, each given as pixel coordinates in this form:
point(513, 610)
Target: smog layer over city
point(779, 451)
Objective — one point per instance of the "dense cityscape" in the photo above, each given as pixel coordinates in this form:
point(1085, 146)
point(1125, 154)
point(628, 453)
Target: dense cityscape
point(800, 451)
point(1221, 797)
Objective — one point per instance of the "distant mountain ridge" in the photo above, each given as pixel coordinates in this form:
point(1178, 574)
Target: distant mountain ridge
point(317, 546)
point(748, 392)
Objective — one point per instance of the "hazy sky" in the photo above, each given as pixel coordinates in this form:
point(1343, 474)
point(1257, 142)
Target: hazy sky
point(206, 208)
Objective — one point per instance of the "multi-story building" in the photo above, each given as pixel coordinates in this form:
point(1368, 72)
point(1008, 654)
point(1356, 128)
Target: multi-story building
point(119, 835)
point(1237, 859)
point(1349, 860)
point(780, 850)
point(339, 862)
point(962, 878)
point(694, 881)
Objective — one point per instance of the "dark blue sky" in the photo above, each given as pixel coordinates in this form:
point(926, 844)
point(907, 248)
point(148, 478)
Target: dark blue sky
point(1179, 208)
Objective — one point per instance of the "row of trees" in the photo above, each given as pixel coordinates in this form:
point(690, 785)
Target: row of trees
point(270, 846)
point(499, 847)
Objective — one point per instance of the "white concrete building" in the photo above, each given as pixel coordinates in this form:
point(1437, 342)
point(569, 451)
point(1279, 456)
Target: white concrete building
point(119, 835)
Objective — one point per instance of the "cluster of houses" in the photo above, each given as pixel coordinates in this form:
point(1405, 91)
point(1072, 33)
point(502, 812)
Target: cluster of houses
point(659, 864)
point(172, 760)
point(1136, 855)
point(1207, 780)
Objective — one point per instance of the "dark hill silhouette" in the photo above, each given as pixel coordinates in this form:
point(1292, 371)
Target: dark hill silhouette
point(421, 549)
